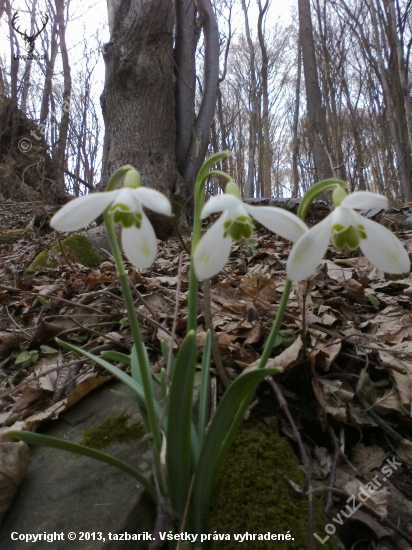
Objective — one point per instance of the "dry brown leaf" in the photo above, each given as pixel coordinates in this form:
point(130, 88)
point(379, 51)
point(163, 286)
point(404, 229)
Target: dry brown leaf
point(254, 333)
point(302, 291)
point(86, 383)
point(336, 399)
point(14, 461)
point(355, 290)
point(376, 496)
point(320, 466)
point(401, 372)
point(288, 358)
point(259, 286)
point(366, 459)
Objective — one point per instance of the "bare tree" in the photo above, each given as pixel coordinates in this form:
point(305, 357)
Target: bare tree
point(316, 114)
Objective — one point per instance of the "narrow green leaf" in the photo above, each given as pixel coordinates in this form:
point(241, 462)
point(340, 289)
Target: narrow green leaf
point(314, 191)
point(116, 177)
point(117, 356)
point(165, 353)
point(209, 162)
point(204, 387)
point(209, 454)
point(120, 375)
point(179, 424)
point(163, 389)
point(46, 441)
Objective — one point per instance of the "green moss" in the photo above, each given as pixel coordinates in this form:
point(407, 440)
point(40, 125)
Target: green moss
point(111, 431)
point(80, 249)
point(40, 262)
point(252, 496)
point(77, 249)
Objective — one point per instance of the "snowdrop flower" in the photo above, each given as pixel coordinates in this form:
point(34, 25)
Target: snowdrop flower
point(213, 249)
point(126, 207)
point(350, 230)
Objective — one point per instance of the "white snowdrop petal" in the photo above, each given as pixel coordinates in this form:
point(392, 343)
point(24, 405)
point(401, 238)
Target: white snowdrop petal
point(219, 203)
point(153, 199)
point(362, 200)
point(382, 248)
point(309, 250)
point(140, 245)
point(212, 252)
point(126, 197)
point(81, 211)
point(278, 220)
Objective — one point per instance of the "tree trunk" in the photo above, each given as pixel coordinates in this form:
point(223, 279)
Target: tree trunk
point(394, 124)
point(267, 160)
point(295, 139)
point(60, 150)
point(252, 107)
point(316, 113)
point(138, 99)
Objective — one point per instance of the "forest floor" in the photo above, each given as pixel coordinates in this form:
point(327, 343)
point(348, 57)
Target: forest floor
point(345, 347)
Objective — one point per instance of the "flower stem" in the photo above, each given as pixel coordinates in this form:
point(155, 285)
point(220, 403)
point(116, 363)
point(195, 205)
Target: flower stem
point(134, 325)
point(276, 325)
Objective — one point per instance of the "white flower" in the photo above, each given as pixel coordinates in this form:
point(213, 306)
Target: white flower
point(348, 229)
point(126, 206)
point(213, 249)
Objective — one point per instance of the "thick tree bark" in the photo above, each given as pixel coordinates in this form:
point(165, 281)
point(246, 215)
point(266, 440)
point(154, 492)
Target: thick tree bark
point(185, 79)
point(138, 99)
point(316, 114)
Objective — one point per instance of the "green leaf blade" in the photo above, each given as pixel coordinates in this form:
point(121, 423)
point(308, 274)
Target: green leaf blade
point(179, 424)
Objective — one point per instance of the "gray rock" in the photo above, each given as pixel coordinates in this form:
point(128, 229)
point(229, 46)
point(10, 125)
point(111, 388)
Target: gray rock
point(408, 222)
point(62, 492)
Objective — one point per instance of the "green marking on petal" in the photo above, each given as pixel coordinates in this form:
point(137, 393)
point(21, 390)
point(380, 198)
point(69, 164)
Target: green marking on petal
point(241, 228)
point(119, 206)
point(346, 237)
point(361, 231)
point(128, 219)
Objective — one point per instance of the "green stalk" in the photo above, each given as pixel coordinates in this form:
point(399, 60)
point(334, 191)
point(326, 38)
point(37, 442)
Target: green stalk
point(277, 323)
point(199, 201)
point(134, 326)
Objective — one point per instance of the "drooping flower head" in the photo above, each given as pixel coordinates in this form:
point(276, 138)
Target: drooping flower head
point(235, 223)
point(348, 229)
point(126, 207)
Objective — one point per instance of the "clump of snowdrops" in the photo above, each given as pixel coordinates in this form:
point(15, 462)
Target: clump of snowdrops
point(188, 453)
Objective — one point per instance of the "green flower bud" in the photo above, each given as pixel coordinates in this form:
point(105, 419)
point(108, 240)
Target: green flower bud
point(338, 195)
point(233, 189)
point(132, 179)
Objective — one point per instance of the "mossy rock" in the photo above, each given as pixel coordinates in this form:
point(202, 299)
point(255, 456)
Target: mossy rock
point(112, 431)
point(77, 248)
point(252, 496)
